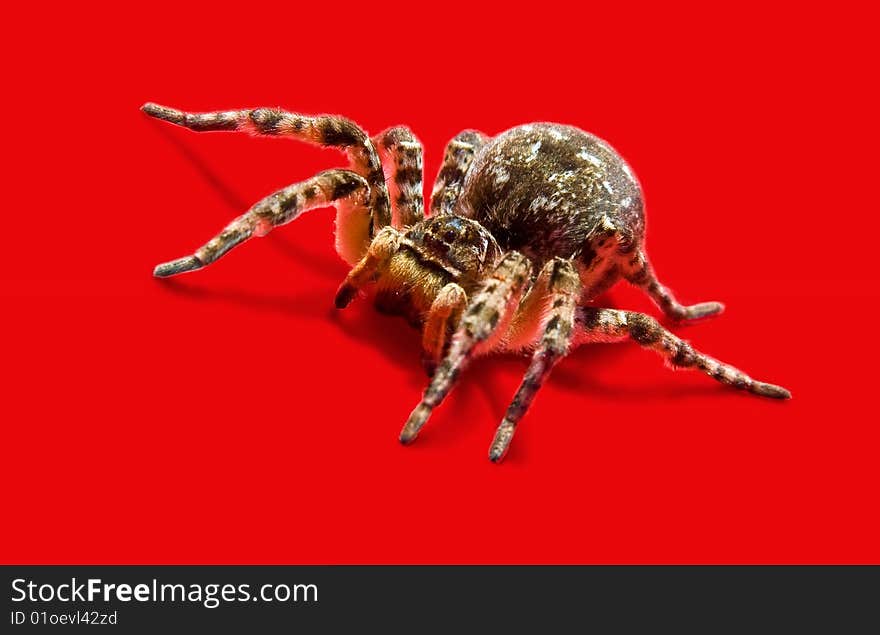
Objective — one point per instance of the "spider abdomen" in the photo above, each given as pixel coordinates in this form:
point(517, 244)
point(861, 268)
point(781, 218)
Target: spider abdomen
point(545, 189)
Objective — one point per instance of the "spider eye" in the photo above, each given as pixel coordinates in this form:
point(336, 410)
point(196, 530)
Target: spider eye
point(449, 235)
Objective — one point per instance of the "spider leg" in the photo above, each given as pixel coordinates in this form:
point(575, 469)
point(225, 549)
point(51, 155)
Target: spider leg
point(324, 130)
point(638, 271)
point(401, 153)
point(383, 246)
point(611, 325)
point(444, 314)
point(563, 289)
point(487, 313)
point(349, 191)
point(457, 160)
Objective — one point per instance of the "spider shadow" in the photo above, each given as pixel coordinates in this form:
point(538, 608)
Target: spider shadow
point(491, 379)
point(398, 342)
point(303, 305)
point(315, 260)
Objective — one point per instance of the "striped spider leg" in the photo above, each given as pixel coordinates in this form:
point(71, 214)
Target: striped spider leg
point(611, 325)
point(401, 154)
point(457, 160)
point(359, 194)
point(488, 313)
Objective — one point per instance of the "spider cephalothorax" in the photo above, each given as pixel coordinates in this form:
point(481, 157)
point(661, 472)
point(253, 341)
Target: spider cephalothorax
point(524, 230)
point(434, 252)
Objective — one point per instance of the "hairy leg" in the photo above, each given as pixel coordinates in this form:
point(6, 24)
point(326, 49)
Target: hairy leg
point(487, 313)
point(342, 187)
point(563, 290)
point(401, 153)
point(367, 270)
point(610, 325)
point(638, 271)
point(457, 160)
point(444, 314)
point(324, 130)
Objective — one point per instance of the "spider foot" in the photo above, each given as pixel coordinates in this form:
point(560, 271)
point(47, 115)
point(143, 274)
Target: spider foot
point(344, 295)
point(769, 390)
point(501, 442)
point(162, 112)
point(174, 267)
point(697, 311)
point(414, 424)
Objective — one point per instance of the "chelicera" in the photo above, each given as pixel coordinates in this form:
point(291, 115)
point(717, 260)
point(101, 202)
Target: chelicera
point(524, 231)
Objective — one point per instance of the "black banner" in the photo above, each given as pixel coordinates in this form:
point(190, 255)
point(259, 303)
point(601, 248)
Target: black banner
point(426, 598)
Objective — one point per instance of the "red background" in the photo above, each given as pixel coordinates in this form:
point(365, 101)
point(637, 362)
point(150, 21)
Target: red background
point(233, 415)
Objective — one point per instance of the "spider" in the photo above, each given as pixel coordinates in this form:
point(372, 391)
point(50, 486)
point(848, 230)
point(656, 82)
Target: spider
point(524, 230)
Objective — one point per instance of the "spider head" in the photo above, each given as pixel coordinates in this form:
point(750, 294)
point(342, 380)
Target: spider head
point(434, 252)
point(459, 245)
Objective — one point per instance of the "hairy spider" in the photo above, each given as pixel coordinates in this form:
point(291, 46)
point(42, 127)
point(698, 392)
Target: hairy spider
point(524, 230)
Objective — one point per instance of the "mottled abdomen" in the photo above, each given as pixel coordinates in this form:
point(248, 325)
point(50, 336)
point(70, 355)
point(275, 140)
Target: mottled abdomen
point(546, 190)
